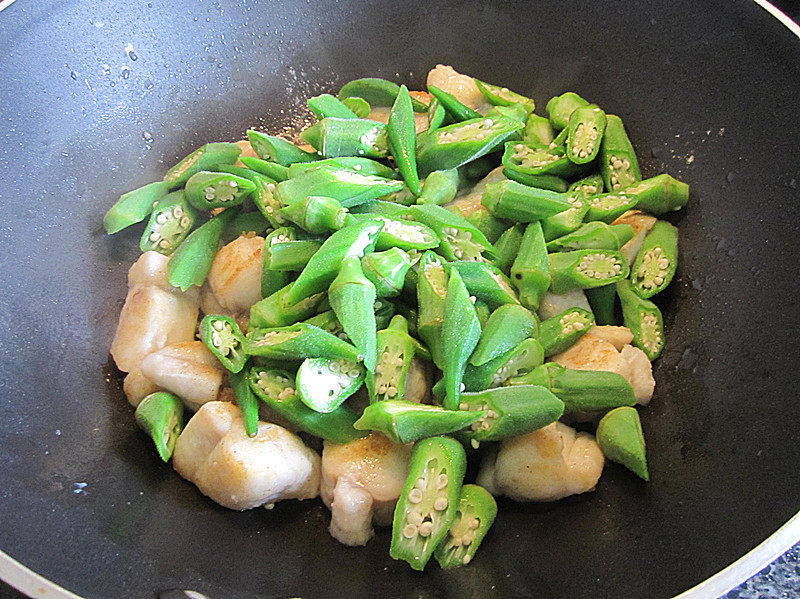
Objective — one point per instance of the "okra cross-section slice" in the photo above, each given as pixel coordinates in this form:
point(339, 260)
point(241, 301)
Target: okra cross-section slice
point(298, 342)
point(485, 281)
point(618, 162)
point(595, 235)
point(620, 437)
point(584, 133)
point(588, 186)
point(560, 108)
point(276, 389)
point(511, 411)
point(460, 239)
point(455, 145)
point(352, 297)
point(530, 273)
point(607, 207)
point(523, 358)
point(656, 261)
point(333, 137)
point(324, 383)
point(135, 206)
point(476, 512)
point(428, 503)
point(278, 150)
point(225, 340)
point(406, 422)
point(643, 318)
point(160, 415)
point(660, 194)
point(204, 158)
point(461, 331)
point(584, 269)
point(559, 333)
point(507, 327)
point(535, 159)
point(206, 190)
point(170, 222)
point(514, 201)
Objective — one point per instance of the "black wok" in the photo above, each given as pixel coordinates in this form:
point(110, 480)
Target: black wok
point(708, 92)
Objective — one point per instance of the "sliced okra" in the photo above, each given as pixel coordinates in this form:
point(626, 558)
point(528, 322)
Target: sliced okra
point(607, 207)
point(274, 280)
point(170, 222)
point(485, 281)
point(398, 233)
point(514, 112)
point(276, 388)
point(364, 166)
point(656, 261)
point(507, 247)
point(276, 311)
point(603, 302)
point(460, 239)
point(402, 138)
point(396, 349)
point(620, 437)
point(436, 115)
point(584, 133)
point(538, 130)
point(246, 222)
point(429, 500)
point(643, 318)
point(474, 516)
point(246, 400)
point(160, 415)
point(514, 201)
point(352, 297)
point(384, 312)
point(510, 411)
point(595, 235)
point(549, 182)
point(267, 204)
point(568, 221)
point(278, 150)
point(507, 327)
point(461, 331)
point(204, 157)
point(618, 162)
point(439, 187)
point(359, 106)
point(290, 255)
point(333, 137)
point(326, 105)
point(559, 333)
point(298, 342)
point(327, 321)
point(502, 96)
point(206, 190)
point(534, 159)
point(191, 262)
point(560, 108)
point(348, 186)
point(491, 226)
point(584, 269)
point(376, 91)
point(659, 195)
point(135, 206)
point(530, 274)
point(272, 170)
point(406, 422)
point(316, 214)
point(431, 294)
point(223, 337)
point(523, 358)
point(324, 383)
point(387, 270)
point(457, 111)
point(588, 186)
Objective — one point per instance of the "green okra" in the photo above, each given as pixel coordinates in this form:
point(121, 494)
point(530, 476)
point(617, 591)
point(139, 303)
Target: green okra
point(327, 321)
point(278, 150)
point(460, 239)
point(246, 400)
point(399, 233)
point(204, 157)
point(514, 201)
point(384, 312)
point(507, 327)
point(290, 256)
point(170, 222)
point(584, 269)
point(376, 91)
point(324, 384)
point(387, 270)
point(207, 189)
point(431, 294)
point(461, 331)
point(326, 105)
point(656, 261)
point(530, 273)
point(298, 342)
point(588, 186)
point(402, 138)
point(134, 206)
point(607, 207)
point(244, 223)
point(603, 302)
point(439, 187)
point(485, 281)
point(406, 422)
point(618, 163)
point(568, 221)
point(561, 332)
point(276, 310)
point(160, 415)
point(549, 182)
point(191, 262)
point(502, 96)
point(359, 106)
point(396, 349)
point(474, 516)
point(487, 223)
point(533, 159)
point(274, 280)
point(333, 137)
point(364, 166)
point(223, 337)
point(595, 235)
point(271, 170)
point(352, 297)
point(584, 133)
point(523, 358)
point(507, 247)
point(457, 111)
point(643, 318)
point(436, 115)
point(538, 130)
point(659, 195)
point(348, 186)
point(560, 108)
point(620, 437)
point(316, 214)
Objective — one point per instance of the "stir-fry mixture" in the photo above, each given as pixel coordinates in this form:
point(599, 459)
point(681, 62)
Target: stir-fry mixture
point(419, 280)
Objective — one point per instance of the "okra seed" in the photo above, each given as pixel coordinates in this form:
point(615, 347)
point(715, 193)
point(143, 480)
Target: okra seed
point(415, 495)
point(467, 538)
point(216, 339)
point(391, 391)
point(410, 531)
point(177, 211)
point(185, 221)
point(217, 325)
point(441, 481)
point(440, 504)
point(463, 406)
point(421, 483)
point(154, 237)
point(426, 528)
point(475, 444)
point(164, 243)
point(463, 387)
point(161, 218)
point(455, 541)
point(475, 523)
point(466, 559)
point(414, 517)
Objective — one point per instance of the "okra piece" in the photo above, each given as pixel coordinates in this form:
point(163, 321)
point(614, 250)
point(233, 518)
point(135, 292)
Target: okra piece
point(324, 384)
point(278, 150)
point(348, 186)
point(620, 437)
point(333, 137)
point(387, 271)
point(298, 342)
point(588, 186)
point(135, 206)
point(160, 415)
point(643, 318)
point(273, 170)
point(170, 222)
point(538, 130)
point(486, 223)
point(560, 108)
point(406, 422)
point(276, 389)
point(431, 293)
point(359, 106)
point(507, 327)
point(656, 261)
point(534, 159)
point(276, 310)
point(530, 273)
point(376, 91)
point(428, 503)
point(206, 190)
point(584, 133)
point(402, 196)
point(559, 140)
point(485, 281)
point(659, 195)
point(568, 221)
point(354, 240)
point(618, 162)
point(191, 261)
point(523, 358)
point(460, 239)
point(561, 332)
point(550, 182)
point(246, 400)
point(510, 411)
point(396, 349)
point(326, 105)
point(316, 214)
point(440, 187)
point(274, 280)
point(203, 158)
point(584, 269)
point(475, 514)
point(352, 297)
point(327, 321)
point(399, 233)
point(364, 166)
point(457, 111)
point(603, 303)
point(461, 331)
point(454, 145)
point(515, 112)
point(607, 207)
point(436, 115)
point(507, 247)
point(595, 235)
point(265, 201)
point(581, 390)
point(384, 312)
point(514, 201)
point(483, 312)
point(223, 337)
point(243, 223)
point(477, 169)
point(502, 96)
point(290, 255)
point(403, 139)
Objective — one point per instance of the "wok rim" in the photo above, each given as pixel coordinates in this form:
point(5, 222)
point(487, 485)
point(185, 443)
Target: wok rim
point(32, 584)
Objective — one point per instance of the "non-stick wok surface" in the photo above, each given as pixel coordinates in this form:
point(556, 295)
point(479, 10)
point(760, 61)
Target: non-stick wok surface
point(99, 97)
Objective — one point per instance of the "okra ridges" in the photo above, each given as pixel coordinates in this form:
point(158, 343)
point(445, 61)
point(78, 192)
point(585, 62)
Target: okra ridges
point(599, 266)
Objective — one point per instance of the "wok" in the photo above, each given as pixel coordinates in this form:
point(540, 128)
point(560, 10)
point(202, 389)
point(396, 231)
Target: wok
point(97, 98)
